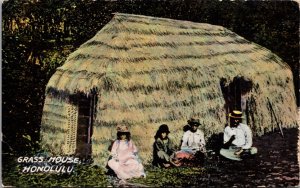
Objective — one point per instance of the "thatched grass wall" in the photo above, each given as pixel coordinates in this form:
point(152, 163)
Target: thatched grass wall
point(150, 71)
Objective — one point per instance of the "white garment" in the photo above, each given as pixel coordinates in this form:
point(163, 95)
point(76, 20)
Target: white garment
point(243, 103)
point(194, 141)
point(243, 135)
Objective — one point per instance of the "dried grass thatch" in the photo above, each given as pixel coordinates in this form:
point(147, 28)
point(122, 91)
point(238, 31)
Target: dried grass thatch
point(149, 71)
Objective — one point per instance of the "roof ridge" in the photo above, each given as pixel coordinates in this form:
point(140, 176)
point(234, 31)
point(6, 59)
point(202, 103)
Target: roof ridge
point(166, 19)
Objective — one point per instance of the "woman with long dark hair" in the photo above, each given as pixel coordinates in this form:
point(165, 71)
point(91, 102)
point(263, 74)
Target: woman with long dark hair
point(163, 149)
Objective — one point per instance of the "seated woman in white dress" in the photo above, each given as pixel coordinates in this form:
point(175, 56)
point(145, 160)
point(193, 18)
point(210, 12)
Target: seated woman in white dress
point(125, 162)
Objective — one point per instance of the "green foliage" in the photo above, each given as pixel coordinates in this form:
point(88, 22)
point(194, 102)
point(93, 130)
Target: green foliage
point(160, 177)
point(82, 176)
point(91, 176)
point(31, 53)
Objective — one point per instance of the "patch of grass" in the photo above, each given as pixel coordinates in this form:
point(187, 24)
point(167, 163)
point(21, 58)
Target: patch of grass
point(83, 175)
point(160, 177)
point(92, 176)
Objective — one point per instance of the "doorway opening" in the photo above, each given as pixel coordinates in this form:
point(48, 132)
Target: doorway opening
point(85, 105)
point(235, 93)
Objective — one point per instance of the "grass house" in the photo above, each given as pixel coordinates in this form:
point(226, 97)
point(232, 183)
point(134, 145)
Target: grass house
point(144, 71)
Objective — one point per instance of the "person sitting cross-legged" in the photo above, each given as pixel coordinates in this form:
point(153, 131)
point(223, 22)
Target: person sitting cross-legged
point(237, 139)
point(193, 143)
point(163, 149)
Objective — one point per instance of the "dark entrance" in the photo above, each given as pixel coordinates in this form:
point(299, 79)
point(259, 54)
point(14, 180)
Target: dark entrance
point(86, 113)
point(235, 93)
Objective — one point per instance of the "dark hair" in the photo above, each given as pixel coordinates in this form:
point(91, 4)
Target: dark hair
point(186, 128)
point(123, 133)
point(158, 134)
point(162, 129)
point(194, 122)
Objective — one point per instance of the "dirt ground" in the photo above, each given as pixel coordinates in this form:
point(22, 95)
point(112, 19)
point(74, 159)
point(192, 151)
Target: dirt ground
point(275, 165)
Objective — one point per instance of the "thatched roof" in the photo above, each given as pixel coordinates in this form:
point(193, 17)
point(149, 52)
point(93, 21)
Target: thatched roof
point(153, 70)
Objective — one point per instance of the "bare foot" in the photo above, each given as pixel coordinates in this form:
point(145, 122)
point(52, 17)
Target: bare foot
point(143, 175)
point(238, 152)
point(175, 163)
point(122, 181)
